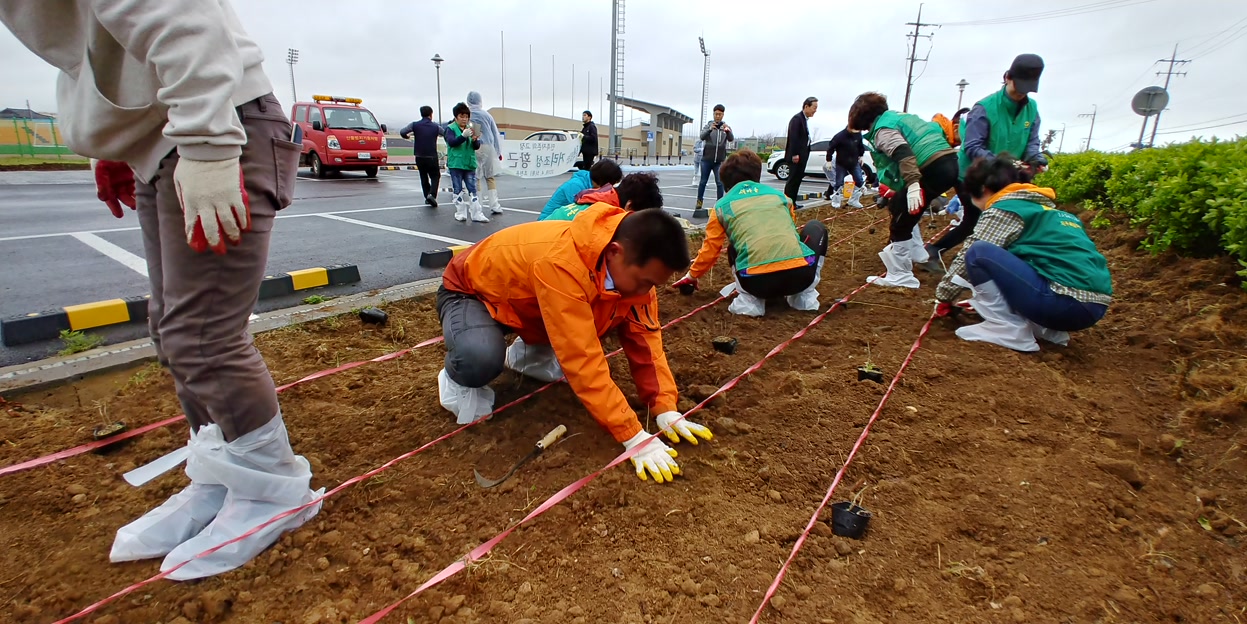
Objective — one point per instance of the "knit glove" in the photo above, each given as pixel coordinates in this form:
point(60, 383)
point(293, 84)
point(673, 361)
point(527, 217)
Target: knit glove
point(214, 202)
point(656, 458)
point(114, 185)
point(915, 199)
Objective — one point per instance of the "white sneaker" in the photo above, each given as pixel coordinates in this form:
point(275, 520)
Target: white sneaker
point(467, 404)
point(263, 479)
point(900, 268)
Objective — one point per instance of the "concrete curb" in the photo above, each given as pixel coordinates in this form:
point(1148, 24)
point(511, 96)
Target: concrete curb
point(439, 258)
point(48, 325)
point(59, 370)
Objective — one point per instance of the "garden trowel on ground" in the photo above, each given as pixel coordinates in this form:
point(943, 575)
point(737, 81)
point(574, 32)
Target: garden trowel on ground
point(542, 445)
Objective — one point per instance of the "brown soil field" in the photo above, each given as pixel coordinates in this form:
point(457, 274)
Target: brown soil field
point(1101, 482)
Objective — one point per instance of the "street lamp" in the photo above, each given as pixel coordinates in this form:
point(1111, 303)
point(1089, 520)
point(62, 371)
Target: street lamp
point(292, 57)
point(437, 62)
point(705, 78)
point(961, 90)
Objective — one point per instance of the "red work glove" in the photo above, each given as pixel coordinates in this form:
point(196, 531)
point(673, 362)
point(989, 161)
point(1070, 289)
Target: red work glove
point(683, 283)
point(114, 185)
point(945, 309)
point(214, 202)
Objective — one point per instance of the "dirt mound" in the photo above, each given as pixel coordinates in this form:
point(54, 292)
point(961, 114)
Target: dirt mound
point(1099, 482)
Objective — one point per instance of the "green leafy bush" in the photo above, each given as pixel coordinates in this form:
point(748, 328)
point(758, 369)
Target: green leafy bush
point(1191, 197)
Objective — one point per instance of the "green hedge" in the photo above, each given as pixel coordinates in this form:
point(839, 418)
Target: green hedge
point(1191, 198)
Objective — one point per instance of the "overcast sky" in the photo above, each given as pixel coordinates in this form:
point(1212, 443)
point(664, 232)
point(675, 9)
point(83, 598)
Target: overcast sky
point(759, 69)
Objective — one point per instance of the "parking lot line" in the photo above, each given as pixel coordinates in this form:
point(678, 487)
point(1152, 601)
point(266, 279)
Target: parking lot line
point(127, 259)
point(397, 230)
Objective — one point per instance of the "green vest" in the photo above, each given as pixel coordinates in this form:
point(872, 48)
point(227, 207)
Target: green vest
point(1056, 245)
point(759, 226)
point(925, 138)
point(461, 156)
point(1008, 133)
point(568, 212)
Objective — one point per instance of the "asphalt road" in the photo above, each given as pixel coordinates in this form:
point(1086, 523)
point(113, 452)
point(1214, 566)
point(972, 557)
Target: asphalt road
point(60, 246)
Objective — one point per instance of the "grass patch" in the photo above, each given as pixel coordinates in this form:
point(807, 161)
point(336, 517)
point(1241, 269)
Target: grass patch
point(77, 342)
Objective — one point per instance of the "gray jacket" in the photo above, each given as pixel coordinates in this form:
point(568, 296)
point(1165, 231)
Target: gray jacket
point(716, 143)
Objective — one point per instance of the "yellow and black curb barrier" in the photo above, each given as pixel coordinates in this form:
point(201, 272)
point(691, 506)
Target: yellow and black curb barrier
point(397, 167)
point(48, 325)
point(279, 285)
point(439, 258)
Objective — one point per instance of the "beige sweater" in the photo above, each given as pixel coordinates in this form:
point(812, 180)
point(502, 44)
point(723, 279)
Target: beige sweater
point(142, 77)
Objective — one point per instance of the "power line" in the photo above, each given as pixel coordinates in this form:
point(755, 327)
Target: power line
point(913, 54)
point(1208, 39)
point(1238, 35)
point(1182, 127)
point(1232, 123)
point(1058, 13)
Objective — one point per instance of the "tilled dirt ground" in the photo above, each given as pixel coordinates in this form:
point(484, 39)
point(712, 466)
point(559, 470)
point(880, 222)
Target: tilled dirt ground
point(1104, 481)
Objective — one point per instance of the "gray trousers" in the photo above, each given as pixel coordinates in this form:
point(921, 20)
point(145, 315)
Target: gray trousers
point(201, 302)
point(476, 346)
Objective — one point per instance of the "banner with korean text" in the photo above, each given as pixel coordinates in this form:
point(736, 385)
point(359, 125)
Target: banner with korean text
point(539, 159)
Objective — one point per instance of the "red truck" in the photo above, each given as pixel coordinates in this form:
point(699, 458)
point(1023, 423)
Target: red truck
point(339, 134)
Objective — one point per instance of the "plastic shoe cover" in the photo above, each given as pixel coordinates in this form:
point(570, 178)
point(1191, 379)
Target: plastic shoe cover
point(162, 529)
point(855, 199)
point(1055, 336)
point(536, 361)
point(461, 207)
point(467, 404)
point(900, 269)
point(917, 250)
point(807, 300)
point(746, 304)
point(477, 212)
point(1001, 325)
point(962, 282)
point(263, 478)
point(494, 206)
point(837, 199)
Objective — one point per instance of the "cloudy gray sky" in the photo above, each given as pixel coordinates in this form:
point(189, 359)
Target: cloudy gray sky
point(763, 61)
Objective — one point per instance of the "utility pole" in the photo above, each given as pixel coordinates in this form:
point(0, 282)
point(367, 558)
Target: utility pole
point(502, 39)
point(1061, 146)
point(913, 53)
point(1092, 116)
point(530, 77)
point(1169, 73)
point(554, 96)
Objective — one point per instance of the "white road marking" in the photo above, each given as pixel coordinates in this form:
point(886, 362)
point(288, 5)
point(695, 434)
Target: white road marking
point(397, 230)
point(127, 259)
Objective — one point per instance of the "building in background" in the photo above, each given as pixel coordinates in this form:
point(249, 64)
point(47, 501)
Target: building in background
point(658, 137)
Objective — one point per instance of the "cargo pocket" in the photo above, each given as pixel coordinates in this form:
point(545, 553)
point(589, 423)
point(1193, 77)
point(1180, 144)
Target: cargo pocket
point(286, 167)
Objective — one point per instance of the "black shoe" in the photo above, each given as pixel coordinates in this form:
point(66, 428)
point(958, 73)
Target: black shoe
point(430, 200)
point(934, 263)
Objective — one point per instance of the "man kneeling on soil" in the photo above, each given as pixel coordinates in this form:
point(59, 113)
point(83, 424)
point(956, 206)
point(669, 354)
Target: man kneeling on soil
point(561, 285)
point(769, 258)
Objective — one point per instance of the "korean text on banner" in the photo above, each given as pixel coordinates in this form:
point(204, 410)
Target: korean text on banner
point(538, 159)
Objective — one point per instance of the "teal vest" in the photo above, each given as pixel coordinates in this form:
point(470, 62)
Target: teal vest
point(1056, 245)
point(759, 226)
point(1008, 133)
point(925, 138)
point(461, 156)
point(567, 213)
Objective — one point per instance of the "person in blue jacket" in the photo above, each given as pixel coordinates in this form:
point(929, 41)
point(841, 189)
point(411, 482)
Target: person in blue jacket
point(602, 172)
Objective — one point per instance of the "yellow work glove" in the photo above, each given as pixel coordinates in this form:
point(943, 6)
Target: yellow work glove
point(656, 457)
point(669, 423)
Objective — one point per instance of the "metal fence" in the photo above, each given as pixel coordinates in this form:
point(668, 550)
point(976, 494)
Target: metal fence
point(31, 137)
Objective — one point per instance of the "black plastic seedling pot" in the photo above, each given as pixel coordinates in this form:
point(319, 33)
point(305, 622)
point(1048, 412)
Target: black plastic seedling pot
point(687, 289)
point(849, 520)
point(374, 316)
point(104, 432)
point(865, 372)
point(724, 344)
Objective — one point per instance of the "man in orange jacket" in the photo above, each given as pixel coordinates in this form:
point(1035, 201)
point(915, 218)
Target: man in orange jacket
point(560, 286)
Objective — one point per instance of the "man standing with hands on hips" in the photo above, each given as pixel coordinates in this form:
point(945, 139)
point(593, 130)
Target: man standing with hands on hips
point(798, 147)
point(170, 96)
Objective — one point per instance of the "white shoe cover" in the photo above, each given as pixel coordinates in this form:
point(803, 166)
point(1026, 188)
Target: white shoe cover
point(467, 404)
point(477, 212)
point(917, 250)
point(536, 361)
point(164, 528)
point(494, 206)
point(855, 199)
point(263, 478)
point(807, 300)
point(461, 206)
point(900, 268)
point(744, 303)
point(837, 199)
point(1055, 336)
point(1001, 325)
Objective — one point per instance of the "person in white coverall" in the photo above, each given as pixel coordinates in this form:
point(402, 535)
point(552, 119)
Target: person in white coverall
point(170, 97)
point(489, 157)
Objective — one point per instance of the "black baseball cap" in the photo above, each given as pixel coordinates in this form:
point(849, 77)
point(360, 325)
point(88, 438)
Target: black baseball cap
point(1025, 71)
